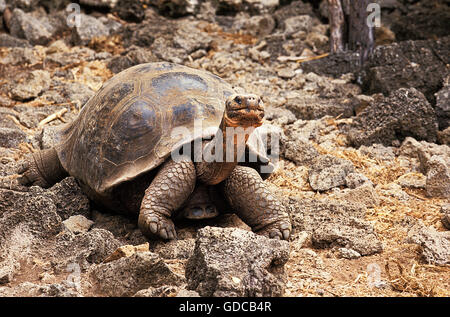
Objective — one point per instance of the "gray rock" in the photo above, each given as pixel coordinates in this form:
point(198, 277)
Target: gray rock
point(412, 180)
point(88, 29)
point(130, 10)
point(313, 107)
point(334, 224)
point(11, 137)
point(177, 8)
point(26, 26)
point(100, 3)
point(328, 172)
point(435, 245)
point(444, 136)
point(300, 23)
point(443, 105)
point(280, 115)
point(235, 262)
point(78, 224)
point(34, 210)
point(34, 83)
point(69, 199)
point(445, 211)
point(363, 195)
point(400, 65)
point(126, 276)
point(354, 180)
point(348, 253)
point(422, 151)
point(258, 25)
point(28, 289)
point(190, 38)
point(6, 274)
point(2, 6)
point(176, 249)
point(81, 249)
point(134, 56)
point(406, 112)
point(166, 291)
point(7, 40)
point(295, 8)
point(298, 150)
point(378, 151)
point(20, 56)
point(438, 177)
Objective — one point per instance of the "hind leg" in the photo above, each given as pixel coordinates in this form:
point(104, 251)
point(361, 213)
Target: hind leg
point(42, 168)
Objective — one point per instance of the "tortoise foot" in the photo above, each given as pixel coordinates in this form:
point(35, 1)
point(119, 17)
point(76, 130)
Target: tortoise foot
point(156, 225)
point(280, 230)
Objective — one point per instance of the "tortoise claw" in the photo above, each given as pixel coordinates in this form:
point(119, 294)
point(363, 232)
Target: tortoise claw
point(280, 230)
point(155, 225)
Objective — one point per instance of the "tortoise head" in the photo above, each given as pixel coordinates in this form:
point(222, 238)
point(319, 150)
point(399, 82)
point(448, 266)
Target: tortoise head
point(243, 110)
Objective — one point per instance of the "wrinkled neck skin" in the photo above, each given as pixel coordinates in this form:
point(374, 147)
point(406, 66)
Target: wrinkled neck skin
point(215, 170)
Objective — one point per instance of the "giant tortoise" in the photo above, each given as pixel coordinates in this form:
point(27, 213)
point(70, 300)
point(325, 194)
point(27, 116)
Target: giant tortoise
point(121, 150)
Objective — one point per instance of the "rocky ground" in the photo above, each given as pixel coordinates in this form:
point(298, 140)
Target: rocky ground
point(364, 168)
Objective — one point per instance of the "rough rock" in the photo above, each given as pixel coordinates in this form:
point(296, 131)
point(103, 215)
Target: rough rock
point(444, 136)
point(435, 245)
point(177, 8)
point(298, 150)
point(34, 83)
point(166, 291)
point(81, 249)
point(180, 249)
point(26, 26)
point(28, 289)
point(312, 107)
point(128, 275)
point(300, 23)
point(258, 26)
point(443, 105)
point(20, 55)
point(78, 224)
point(295, 8)
point(88, 29)
point(234, 262)
point(328, 172)
point(348, 253)
point(445, 210)
point(363, 195)
point(378, 151)
point(412, 180)
point(11, 137)
point(354, 180)
point(438, 177)
point(127, 251)
point(334, 224)
point(7, 40)
point(130, 10)
point(418, 64)
point(406, 112)
point(69, 199)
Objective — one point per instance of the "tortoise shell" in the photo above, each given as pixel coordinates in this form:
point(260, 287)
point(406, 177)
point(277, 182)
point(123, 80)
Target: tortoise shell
point(126, 128)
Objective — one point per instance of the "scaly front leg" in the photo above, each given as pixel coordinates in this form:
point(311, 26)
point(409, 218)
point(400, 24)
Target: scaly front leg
point(168, 191)
point(253, 202)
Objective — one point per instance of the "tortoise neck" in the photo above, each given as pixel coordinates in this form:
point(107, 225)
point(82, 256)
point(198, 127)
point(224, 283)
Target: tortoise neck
point(222, 153)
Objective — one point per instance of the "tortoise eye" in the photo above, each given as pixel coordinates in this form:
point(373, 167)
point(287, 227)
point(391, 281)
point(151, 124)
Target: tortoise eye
point(238, 100)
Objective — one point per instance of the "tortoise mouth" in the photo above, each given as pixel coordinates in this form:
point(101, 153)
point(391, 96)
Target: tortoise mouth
point(245, 117)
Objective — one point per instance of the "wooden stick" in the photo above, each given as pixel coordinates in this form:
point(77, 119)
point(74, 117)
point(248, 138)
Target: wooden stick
point(56, 115)
point(337, 25)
